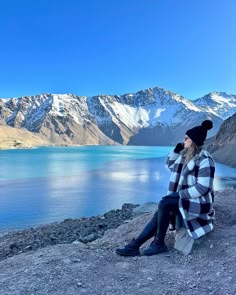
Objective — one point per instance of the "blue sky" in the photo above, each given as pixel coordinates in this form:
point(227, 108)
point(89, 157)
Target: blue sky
point(87, 47)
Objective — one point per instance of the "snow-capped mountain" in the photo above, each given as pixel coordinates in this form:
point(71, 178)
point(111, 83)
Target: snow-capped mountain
point(154, 116)
point(63, 119)
point(218, 103)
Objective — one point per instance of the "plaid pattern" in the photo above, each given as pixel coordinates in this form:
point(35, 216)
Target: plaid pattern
point(194, 182)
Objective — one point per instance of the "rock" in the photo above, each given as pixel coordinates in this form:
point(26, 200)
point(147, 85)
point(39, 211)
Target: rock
point(77, 242)
point(145, 208)
point(82, 230)
point(13, 245)
point(184, 243)
point(88, 238)
point(67, 261)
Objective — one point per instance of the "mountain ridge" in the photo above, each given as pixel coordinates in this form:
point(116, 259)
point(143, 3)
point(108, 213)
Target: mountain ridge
point(153, 116)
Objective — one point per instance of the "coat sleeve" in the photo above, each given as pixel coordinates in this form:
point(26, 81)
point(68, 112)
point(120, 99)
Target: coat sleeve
point(204, 183)
point(172, 157)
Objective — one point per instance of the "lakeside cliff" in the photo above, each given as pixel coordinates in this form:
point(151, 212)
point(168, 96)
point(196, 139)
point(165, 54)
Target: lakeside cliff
point(223, 144)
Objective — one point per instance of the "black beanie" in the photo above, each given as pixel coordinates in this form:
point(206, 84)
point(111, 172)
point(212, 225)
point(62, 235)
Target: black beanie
point(198, 134)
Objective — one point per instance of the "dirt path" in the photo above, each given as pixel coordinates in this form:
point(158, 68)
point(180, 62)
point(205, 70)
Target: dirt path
point(94, 268)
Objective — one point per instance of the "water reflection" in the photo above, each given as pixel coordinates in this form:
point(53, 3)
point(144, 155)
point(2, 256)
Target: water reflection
point(33, 201)
point(225, 177)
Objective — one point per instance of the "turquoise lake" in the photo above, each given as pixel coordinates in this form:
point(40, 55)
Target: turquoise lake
point(49, 184)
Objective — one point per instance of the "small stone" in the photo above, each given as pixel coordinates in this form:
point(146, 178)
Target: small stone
point(79, 284)
point(76, 260)
point(209, 288)
point(193, 286)
point(67, 261)
point(150, 279)
point(76, 242)
point(218, 273)
point(13, 245)
point(29, 247)
point(89, 238)
point(211, 246)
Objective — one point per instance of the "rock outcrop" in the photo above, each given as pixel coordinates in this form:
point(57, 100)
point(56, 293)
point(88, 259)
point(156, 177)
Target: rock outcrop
point(223, 144)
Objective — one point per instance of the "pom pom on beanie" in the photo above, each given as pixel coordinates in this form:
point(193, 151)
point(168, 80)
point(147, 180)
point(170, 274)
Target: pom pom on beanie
point(198, 134)
point(207, 124)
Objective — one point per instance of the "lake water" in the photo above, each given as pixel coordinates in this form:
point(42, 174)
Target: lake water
point(45, 185)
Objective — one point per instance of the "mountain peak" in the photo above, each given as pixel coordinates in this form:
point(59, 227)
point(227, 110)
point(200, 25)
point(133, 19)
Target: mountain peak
point(152, 116)
point(218, 103)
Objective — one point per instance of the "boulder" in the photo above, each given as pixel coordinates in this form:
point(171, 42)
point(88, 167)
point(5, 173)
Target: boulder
point(145, 208)
point(184, 243)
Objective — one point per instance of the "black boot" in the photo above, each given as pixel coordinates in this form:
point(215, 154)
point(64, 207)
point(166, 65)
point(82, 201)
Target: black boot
point(155, 247)
point(131, 249)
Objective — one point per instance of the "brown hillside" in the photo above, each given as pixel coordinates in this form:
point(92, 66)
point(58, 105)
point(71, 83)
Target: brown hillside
point(19, 138)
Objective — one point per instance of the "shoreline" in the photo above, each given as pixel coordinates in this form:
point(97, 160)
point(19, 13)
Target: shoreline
point(66, 268)
point(6, 231)
point(83, 229)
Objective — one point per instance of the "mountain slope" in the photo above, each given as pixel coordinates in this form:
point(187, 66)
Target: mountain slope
point(153, 116)
point(20, 138)
point(223, 144)
point(63, 119)
point(218, 103)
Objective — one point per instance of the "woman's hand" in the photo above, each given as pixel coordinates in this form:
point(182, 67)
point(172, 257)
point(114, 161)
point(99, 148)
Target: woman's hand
point(179, 147)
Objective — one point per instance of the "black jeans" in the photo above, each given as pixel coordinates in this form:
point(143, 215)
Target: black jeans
point(158, 225)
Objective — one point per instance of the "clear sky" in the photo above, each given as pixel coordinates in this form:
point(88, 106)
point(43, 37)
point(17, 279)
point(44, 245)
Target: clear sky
point(91, 47)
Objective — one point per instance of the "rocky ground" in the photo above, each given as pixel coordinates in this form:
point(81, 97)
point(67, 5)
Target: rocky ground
point(82, 230)
point(74, 257)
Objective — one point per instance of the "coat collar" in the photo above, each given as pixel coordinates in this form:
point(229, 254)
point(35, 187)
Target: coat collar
point(194, 161)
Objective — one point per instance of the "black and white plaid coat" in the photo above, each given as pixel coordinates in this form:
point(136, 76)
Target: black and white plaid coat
point(194, 182)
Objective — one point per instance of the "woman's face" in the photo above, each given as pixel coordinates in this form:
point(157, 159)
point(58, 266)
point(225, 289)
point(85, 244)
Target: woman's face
point(187, 142)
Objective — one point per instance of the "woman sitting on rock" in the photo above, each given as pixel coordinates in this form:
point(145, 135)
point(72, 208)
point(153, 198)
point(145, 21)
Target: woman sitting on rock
point(190, 193)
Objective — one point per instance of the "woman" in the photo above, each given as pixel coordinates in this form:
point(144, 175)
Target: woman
point(190, 193)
